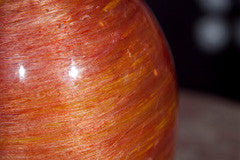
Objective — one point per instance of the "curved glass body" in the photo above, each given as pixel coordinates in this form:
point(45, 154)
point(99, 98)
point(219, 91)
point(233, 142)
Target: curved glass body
point(88, 79)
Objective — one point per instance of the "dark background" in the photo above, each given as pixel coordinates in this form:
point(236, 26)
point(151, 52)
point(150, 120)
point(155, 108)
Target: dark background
point(204, 36)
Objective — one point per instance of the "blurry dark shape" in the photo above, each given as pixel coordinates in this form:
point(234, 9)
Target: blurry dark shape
point(237, 33)
point(196, 69)
point(209, 127)
point(215, 6)
point(212, 34)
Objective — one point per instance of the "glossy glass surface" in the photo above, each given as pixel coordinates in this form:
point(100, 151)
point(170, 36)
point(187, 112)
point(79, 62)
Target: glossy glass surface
point(84, 80)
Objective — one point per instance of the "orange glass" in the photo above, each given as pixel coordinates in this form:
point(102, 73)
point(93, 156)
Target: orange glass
point(84, 79)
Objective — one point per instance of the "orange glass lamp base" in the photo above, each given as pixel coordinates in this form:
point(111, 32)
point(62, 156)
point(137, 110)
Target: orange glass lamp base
point(84, 80)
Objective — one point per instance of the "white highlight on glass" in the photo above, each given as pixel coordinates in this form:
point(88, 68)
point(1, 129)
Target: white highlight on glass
point(215, 6)
point(21, 72)
point(212, 34)
point(129, 53)
point(74, 71)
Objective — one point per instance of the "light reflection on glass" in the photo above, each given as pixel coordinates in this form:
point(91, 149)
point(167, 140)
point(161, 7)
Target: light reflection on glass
point(73, 71)
point(21, 72)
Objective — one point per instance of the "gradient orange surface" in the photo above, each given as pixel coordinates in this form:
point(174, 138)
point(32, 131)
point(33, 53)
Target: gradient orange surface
point(88, 79)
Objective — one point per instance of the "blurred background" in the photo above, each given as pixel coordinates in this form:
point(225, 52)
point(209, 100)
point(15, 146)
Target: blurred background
point(204, 36)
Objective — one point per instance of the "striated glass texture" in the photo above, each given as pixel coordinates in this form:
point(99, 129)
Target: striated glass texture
point(84, 79)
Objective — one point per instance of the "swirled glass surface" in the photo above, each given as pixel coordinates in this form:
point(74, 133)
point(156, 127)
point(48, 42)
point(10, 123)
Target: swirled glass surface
point(84, 80)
